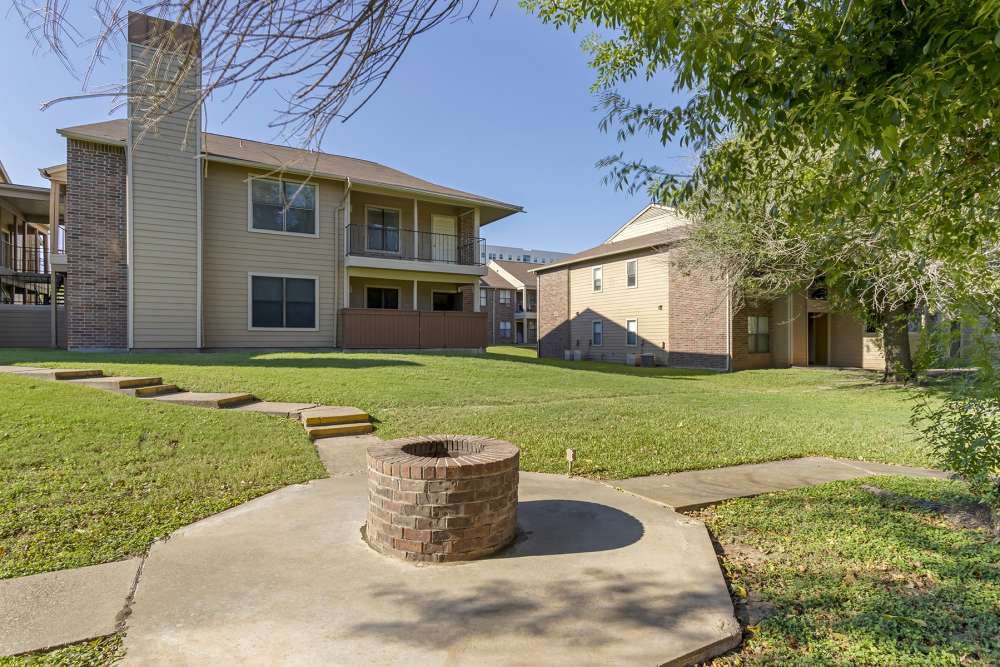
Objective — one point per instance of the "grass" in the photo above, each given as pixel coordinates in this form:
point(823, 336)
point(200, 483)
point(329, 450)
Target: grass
point(89, 477)
point(845, 577)
point(94, 653)
point(622, 421)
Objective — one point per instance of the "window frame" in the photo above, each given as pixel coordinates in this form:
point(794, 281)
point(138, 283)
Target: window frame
point(755, 337)
point(484, 297)
point(593, 280)
point(399, 296)
point(450, 293)
point(634, 262)
point(510, 329)
point(282, 181)
point(507, 294)
point(627, 332)
point(258, 274)
point(593, 338)
point(399, 230)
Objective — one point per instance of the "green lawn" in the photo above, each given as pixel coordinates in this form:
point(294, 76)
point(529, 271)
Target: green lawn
point(95, 653)
point(622, 421)
point(836, 575)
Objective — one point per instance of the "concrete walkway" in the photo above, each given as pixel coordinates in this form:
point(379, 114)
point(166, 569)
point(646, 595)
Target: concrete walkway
point(695, 489)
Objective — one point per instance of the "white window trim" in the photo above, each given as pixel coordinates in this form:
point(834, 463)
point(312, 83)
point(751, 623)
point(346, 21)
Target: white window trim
point(636, 343)
point(592, 323)
point(399, 213)
point(510, 295)
point(593, 271)
point(399, 296)
point(251, 228)
point(636, 262)
point(252, 275)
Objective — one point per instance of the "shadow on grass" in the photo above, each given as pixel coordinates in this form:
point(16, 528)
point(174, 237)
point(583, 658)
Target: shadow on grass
point(597, 366)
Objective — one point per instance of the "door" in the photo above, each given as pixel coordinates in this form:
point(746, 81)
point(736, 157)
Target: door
point(819, 339)
point(444, 238)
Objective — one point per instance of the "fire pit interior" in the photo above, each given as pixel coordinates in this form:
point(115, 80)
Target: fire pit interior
point(442, 498)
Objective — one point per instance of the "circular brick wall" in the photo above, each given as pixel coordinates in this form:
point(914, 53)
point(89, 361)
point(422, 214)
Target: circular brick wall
point(442, 498)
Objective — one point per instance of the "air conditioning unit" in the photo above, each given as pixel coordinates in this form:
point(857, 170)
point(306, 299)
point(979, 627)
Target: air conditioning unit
point(648, 359)
point(632, 359)
point(577, 355)
point(567, 355)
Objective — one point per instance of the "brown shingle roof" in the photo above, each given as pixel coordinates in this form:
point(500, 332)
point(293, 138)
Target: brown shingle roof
point(297, 159)
point(520, 270)
point(664, 237)
point(494, 279)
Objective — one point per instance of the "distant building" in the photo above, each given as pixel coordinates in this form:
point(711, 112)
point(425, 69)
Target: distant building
point(526, 255)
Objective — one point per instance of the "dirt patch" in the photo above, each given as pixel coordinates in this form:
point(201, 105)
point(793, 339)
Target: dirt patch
point(744, 554)
point(967, 516)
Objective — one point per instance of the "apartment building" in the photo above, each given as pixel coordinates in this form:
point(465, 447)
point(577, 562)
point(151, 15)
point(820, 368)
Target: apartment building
point(515, 254)
point(509, 297)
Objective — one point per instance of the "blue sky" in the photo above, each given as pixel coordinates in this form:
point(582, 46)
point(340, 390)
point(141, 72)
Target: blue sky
point(499, 106)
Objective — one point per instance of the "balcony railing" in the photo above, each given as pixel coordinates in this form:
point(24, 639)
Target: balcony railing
point(23, 259)
point(396, 243)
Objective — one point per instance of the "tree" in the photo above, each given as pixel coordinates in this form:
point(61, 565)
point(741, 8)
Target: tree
point(898, 96)
point(330, 56)
point(748, 226)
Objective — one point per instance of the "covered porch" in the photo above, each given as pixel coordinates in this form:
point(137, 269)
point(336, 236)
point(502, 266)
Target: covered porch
point(398, 309)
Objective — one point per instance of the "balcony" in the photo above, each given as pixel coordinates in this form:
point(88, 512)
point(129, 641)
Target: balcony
point(375, 245)
point(373, 329)
point(16, 259)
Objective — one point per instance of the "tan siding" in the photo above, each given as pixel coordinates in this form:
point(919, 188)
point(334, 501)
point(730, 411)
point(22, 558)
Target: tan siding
point(846, 341)
point(231, 252)
point(616, 304)
point(781, 329)
point(653, 220)
point(164, 173)
point(800, 331)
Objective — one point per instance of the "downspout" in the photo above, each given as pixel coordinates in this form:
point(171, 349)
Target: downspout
point(729, 326)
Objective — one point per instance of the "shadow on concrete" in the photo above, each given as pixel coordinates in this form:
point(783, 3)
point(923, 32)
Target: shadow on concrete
point(550, 527)
point(601, 607)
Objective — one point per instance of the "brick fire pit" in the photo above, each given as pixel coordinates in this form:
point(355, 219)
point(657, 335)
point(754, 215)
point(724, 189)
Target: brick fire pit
point(442, 498)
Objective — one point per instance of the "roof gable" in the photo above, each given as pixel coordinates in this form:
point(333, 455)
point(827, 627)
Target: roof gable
point(653, 218)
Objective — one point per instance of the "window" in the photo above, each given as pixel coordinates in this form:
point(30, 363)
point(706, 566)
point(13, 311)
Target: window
point(446, 301)
point(483, 296)
point(598, 275)
point(759, 335)
point(506, 296)
point(382, 229)
point(505, 329)
point(632, 332)
point(283, 206)
point(632, 273)
point(386, 298)
point(282, 302)
point(597, 337)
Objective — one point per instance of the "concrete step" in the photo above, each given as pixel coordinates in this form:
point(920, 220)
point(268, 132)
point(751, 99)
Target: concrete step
point(326, 415)
point(115, 383)
point(61, 373)
point(152, 390)
point(287, 410)
point(18, 369)
point(337, 430)
point(204, 399)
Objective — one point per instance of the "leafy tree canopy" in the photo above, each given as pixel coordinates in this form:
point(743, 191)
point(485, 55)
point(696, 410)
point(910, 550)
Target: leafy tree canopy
point(900, 97)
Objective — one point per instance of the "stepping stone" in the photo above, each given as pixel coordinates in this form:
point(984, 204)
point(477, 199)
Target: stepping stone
point(204, 399)
point(116, 383)
point(152, 390)
point(276, 409)
point(43, 611)
point(326, 415)
point(337, 430)
point(61, 373)
point(18, 369)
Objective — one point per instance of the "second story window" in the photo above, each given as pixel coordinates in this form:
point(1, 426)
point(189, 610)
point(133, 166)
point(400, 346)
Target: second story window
point(383, 229)
point(483, 295)
point(506, 297)
point(598, 276)
point(632, 273)
point(283, 206)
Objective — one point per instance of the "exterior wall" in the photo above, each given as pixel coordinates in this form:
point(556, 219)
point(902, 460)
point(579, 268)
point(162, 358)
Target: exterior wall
point(232, 252)
point(553, 313)
point(800, 331)
point(96, 247)
point(781, 332)
point(698, 312)
point(617, 303)
point(655, 219)
point(359, 298)
point(164, 187)
point(360, 201)
point(846, 341)
point(496, 313)
point(743, 359)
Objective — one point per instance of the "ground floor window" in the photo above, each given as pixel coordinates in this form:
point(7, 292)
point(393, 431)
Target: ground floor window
point(386, 298)
point(632, 332)
point(278, 302)
point(759, 334)
point(447, 301)
point(505, 329)
point(483, 295)
point(597, 333)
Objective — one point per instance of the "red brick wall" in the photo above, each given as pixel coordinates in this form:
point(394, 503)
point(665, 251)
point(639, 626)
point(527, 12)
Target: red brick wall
point(697, 317)
point(496, 313)
point(553, 313)
point(96, 247)
point(742, 359)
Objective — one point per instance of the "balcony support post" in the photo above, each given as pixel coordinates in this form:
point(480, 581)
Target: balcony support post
point(416, 233)
point(415, 295)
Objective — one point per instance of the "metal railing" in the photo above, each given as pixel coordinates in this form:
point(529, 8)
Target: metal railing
point(23, 259)
point(397, 243)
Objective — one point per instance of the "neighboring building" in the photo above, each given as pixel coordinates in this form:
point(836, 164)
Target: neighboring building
point(220, 242)
point(630, 300)
point(526, 255)
point(509, 297)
